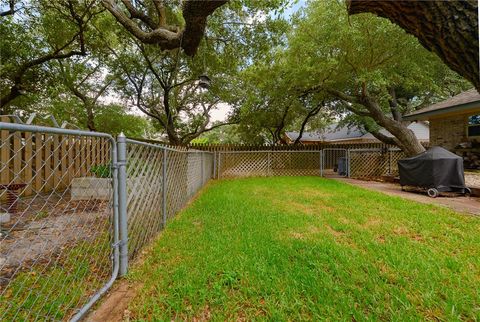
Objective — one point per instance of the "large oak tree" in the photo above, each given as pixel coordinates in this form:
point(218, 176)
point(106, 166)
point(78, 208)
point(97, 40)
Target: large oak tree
point(448, 28)
point(364, 66)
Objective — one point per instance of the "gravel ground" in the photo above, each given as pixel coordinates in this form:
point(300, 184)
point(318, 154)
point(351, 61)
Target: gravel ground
point(472, 179)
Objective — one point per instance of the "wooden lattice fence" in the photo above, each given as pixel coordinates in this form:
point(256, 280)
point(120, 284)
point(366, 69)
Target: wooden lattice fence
point(374, 163)
point(268, 163)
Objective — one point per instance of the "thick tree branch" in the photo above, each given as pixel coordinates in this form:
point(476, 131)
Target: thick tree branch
point(405, 138)
point(195, 13)
point(381, 137)
point(137, 14)
point(447, 28)
point(307, 118)
point(397, 116)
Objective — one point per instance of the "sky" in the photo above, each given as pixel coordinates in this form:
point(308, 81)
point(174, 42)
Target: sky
point(294, 7)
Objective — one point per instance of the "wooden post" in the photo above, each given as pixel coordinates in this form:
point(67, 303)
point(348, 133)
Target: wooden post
point(39, 171)
point(83, 158)
point(48, 163)
point(28, 163)
point(4, 158)
point(71, 159)
point(17, 158)
point(78, 157)
point(4, 155)
point(56, 162)
point(63, 162)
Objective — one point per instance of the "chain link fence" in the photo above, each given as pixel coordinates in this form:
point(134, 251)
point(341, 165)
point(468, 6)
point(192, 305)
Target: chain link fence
point(56, 220)
point(76, 206)
point(72, 215)
point(160, 181)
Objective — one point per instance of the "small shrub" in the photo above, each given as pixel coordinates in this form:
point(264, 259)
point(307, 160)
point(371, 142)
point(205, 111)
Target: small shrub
point(101, 171)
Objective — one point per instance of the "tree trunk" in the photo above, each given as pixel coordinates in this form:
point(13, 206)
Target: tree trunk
point(447, 28)
point(5, 100)
point(404, 137)
point(90, 118)
point(310, 114)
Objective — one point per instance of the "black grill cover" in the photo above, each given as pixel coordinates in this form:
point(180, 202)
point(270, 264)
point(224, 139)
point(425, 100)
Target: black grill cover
point(434, 168)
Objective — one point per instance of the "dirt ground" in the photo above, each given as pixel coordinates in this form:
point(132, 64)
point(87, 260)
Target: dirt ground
point(114, 307)
point(44, 228)
point(468, 205)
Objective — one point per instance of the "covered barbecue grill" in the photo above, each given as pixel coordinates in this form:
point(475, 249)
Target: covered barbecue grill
point(436, 170)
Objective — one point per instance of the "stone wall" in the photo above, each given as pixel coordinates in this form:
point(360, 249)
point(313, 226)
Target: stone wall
point(448, 132)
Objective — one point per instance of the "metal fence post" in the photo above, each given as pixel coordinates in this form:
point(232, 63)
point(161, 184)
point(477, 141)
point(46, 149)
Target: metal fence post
point(122, 202)
point(164, 187)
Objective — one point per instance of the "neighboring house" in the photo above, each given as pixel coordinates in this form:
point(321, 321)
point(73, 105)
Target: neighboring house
point(454, 121)
point(455, 125)
point(344, 134)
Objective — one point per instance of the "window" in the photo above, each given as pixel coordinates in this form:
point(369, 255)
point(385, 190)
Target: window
point(474, 125)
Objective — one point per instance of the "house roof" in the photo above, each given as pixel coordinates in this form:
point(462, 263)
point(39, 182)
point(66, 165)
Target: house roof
point(462, 102)
point(334, 132)
point(330, 133)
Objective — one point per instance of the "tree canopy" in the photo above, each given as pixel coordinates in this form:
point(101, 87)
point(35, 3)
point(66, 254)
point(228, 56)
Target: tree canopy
point(361, 65)
point(141, 61)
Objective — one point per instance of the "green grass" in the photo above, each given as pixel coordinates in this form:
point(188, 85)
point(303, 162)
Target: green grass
point(306, 248)
point(53, 292)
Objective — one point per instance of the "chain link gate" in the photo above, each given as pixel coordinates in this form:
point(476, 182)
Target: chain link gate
point(334, 162)
point(58, 221)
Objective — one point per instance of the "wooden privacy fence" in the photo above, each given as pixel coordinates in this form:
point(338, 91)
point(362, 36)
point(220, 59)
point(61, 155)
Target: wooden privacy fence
point(46, 162)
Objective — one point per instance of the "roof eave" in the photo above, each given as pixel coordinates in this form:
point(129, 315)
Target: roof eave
point(447, 110)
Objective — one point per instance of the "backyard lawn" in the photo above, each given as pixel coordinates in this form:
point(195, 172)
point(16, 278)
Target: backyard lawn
point(293, 248)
